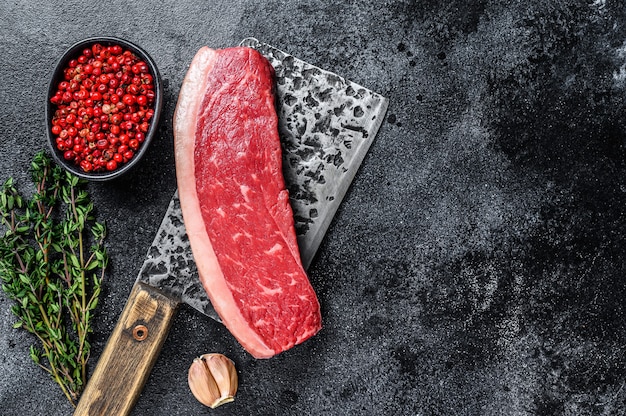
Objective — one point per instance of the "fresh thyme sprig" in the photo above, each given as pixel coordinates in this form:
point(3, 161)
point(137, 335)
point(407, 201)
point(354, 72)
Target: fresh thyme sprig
point(52, 262)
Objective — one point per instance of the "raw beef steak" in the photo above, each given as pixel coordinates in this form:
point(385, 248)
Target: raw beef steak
point(234, 202)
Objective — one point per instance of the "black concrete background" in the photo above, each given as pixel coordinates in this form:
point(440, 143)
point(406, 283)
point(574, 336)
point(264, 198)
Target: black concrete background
point(476, 266)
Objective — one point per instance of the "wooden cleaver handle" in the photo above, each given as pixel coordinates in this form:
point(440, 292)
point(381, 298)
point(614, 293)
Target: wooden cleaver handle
point(129, 355)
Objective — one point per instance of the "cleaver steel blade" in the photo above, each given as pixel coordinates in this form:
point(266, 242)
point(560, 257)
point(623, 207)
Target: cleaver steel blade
point(326, 125)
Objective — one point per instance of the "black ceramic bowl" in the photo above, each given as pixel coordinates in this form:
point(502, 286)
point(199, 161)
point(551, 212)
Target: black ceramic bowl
point(72, 53)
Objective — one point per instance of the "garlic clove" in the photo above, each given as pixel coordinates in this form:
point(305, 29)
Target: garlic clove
point(213, 379)
point(202, 383)
point(224, 373)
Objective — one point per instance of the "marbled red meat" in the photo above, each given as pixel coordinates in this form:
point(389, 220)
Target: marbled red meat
point(235, 205)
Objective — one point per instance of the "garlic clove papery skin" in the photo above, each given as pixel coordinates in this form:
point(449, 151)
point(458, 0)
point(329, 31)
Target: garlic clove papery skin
point(213, 379)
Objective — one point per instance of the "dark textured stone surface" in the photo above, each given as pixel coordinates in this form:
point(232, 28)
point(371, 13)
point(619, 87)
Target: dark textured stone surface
point(476, 265)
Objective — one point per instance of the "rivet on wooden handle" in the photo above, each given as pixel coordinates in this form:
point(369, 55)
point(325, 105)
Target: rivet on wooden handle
point(140, 332)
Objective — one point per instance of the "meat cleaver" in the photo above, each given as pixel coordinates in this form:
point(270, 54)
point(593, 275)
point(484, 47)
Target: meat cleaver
point(326, 126)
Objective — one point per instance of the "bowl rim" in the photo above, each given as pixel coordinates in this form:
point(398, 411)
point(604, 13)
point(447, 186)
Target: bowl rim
point(72, 52)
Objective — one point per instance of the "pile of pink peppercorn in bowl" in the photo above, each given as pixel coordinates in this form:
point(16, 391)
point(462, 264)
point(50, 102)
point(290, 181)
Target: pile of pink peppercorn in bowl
point(103, 106)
